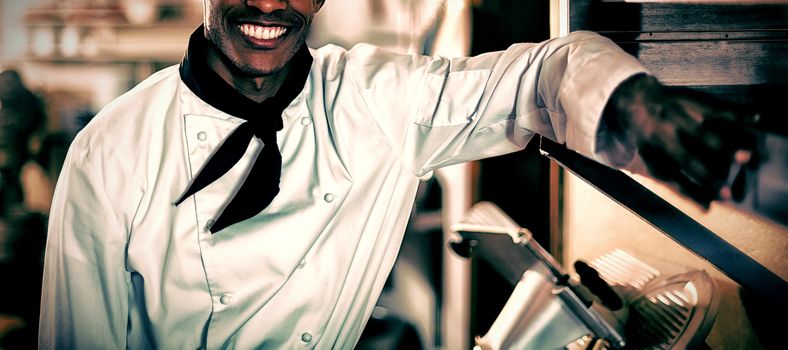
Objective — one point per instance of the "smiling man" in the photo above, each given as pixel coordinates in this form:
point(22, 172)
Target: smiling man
point(256, 195)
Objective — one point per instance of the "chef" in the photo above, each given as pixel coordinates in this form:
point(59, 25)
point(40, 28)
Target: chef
point(256, 194)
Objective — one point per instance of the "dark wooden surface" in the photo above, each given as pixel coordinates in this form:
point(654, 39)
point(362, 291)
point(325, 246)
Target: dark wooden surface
point(659, 17)
point(716, 62)
point(691, 44)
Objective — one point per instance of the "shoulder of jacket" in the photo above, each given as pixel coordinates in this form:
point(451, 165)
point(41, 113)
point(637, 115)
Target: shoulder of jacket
point(362, 61)
point(125, 111)
point(360, 53)
point(159, 82)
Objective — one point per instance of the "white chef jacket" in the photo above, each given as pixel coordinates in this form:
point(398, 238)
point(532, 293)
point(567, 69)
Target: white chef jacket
point(126, 268)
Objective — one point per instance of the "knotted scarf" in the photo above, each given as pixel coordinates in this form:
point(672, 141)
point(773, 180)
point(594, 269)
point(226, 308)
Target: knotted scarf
point(263, 120)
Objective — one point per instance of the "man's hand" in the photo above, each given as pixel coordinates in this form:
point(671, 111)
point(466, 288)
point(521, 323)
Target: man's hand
point(688, 138)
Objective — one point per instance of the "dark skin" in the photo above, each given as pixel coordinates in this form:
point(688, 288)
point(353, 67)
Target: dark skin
point(687, 139)
point(256, 39)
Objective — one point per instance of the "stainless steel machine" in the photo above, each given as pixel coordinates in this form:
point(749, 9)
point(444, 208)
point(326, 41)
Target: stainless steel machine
point(613, 301)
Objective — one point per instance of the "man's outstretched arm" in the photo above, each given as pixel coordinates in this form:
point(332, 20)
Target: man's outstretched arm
point(470, 108)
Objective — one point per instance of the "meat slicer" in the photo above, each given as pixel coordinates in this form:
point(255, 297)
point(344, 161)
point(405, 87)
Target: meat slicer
point(613, 301)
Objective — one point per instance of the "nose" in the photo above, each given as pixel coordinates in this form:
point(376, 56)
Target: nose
point(268, 6)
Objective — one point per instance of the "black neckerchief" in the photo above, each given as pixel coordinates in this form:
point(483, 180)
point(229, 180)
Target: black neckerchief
point(263, 120)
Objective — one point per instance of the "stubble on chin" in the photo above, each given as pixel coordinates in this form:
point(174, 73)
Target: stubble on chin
point(247, 69)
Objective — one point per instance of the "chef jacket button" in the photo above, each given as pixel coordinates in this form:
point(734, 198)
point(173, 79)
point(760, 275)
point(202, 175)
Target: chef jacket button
point(202, 136)
point(209, 224)
point(306, 337)
point(306, 121)
point(226, 299)
point(329, 197)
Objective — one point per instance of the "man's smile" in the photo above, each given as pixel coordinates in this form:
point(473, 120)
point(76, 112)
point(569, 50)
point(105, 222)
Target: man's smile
point(262, 35)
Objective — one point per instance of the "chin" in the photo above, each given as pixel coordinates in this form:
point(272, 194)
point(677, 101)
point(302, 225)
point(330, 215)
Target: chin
point(253, 70)
point(265, 63)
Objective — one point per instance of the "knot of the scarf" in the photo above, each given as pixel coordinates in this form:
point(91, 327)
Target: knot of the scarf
point(261, 184)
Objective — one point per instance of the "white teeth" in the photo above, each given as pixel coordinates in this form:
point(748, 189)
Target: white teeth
point(262, 33)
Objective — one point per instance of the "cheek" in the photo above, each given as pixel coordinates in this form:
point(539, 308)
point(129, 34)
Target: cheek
point(306, 8)
point(213, 12)
point(207, 10)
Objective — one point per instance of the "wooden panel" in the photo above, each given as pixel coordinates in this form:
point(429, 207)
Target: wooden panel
point(655, 17)
point(683, 17)
point(715, 62)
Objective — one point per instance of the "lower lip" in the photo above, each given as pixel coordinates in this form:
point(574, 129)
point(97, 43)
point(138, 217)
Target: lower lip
point(263, 43)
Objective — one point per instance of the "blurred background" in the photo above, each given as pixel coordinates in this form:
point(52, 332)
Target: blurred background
point(61, 61)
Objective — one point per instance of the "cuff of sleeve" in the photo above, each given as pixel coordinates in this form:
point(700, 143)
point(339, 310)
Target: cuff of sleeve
point(585, 94)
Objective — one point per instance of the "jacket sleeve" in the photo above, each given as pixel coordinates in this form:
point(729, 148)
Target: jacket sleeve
point(475, 107)
point(85, 285)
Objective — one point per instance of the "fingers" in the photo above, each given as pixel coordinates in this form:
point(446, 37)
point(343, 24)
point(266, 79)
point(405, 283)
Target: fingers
point(679, 153)
point(705, 164)
point(687, 137)
point(708, 105)
point(702, 161)
point(701, 144)
point(664, 167)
